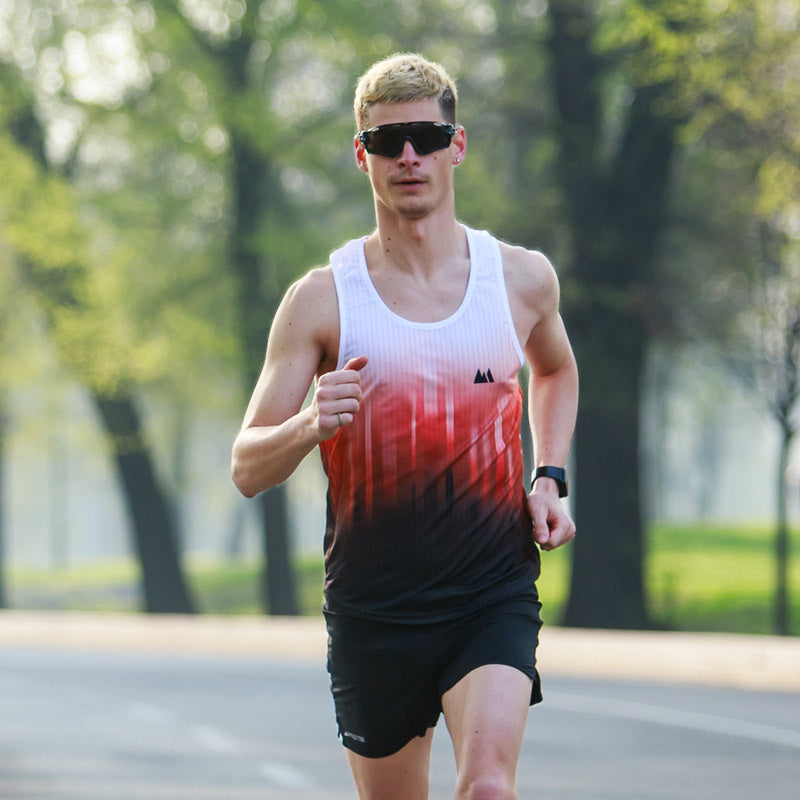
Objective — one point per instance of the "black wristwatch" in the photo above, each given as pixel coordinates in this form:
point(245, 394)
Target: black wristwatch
point(558, 474)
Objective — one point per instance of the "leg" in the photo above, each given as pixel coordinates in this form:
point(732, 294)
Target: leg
point(400, 776)
point(486, 713)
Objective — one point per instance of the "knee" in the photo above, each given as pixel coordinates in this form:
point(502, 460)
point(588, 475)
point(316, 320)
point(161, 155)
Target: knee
point(486, 787)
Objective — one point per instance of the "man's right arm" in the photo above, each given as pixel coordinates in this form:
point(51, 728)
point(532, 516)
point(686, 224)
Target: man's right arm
point(277, 432)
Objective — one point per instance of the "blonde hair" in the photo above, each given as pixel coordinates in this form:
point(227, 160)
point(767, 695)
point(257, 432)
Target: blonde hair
point(400, 78)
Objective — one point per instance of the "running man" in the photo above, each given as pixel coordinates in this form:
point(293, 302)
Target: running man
point(413, 337)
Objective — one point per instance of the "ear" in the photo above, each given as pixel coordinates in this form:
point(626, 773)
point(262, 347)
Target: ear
point(458, 145)
point(360, 154)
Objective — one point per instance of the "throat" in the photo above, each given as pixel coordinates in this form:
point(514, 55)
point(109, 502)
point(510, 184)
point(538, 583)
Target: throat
point(423, 297)
point(421, 278)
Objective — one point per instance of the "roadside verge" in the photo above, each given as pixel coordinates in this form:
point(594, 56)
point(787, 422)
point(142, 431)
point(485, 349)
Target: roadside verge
point(765, 663)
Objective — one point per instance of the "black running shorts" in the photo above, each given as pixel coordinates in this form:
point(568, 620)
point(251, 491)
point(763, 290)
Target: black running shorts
point(388, 678)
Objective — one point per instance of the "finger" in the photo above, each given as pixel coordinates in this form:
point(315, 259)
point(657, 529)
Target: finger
point(333, 392)
point(560, 534)
point(541, 530)
point(358, 363)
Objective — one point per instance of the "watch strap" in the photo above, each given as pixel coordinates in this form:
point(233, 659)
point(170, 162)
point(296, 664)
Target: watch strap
point(558, 474)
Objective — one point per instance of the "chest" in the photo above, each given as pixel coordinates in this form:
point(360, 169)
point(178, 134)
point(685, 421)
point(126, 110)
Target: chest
point(423, 300)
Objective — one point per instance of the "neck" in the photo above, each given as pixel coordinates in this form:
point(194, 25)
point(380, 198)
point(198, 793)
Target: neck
point(416, 245)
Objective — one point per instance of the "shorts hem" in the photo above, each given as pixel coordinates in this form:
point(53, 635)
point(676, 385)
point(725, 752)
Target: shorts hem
point(378, 751)
point(531, 672)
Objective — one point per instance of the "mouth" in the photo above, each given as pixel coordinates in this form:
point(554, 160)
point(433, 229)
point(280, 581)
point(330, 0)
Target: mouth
point(409, 183)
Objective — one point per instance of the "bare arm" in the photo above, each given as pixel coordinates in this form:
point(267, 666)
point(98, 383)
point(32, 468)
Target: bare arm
point(553, 388)
point(277, 432)
point(553, 391)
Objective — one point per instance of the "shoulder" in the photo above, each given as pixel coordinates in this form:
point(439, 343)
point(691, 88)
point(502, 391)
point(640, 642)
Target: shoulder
point(309, 312)
point(315, 291)
point(531, 280)
point(316, 284)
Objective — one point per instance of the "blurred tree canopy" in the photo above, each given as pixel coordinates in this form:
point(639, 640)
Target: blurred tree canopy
point(195, 157)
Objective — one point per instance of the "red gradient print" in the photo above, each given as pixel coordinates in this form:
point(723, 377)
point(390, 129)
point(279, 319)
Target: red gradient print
point(405, 447)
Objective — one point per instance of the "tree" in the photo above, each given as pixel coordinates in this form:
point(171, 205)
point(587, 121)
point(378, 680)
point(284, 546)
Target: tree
point(633, 83)
point(776, 375)
point(615, 191)
point(51, 249)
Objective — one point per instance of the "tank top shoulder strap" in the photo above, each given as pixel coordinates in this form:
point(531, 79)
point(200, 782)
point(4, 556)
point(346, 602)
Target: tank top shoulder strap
point(347, 264)
point(486, 259)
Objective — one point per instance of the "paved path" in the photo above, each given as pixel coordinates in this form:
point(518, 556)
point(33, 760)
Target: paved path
point(166, 722)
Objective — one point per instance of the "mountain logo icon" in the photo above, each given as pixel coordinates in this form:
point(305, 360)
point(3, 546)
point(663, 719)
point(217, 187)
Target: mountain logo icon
point(484, 377)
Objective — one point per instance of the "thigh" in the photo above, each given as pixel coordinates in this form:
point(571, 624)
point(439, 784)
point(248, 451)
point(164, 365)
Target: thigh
point(487, 690)
point(403, 775)
point(486, 712)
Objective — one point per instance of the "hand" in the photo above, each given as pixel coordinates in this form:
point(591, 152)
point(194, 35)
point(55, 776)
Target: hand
point(552, 525)
point(337, 398)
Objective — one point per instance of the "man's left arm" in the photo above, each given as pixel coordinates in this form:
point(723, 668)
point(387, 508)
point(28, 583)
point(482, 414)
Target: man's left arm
point(552, 409)
point(552, 396)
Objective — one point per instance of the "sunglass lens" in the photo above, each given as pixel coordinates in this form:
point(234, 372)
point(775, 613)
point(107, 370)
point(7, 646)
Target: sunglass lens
point(384, 141)
point(431, 137)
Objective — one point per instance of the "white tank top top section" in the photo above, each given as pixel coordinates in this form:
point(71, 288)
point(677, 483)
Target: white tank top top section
point(426, 507)
point(481, 322)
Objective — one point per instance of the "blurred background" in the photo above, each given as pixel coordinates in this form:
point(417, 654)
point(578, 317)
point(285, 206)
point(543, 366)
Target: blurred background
point(169, 167)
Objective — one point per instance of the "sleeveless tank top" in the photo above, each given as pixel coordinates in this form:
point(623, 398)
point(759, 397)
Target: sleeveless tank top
point(426, 511)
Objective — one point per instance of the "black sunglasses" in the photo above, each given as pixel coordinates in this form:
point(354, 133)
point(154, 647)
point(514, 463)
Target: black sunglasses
point(425, 137)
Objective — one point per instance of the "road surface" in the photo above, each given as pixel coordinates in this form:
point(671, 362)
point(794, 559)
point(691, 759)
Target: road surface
point(90, 724)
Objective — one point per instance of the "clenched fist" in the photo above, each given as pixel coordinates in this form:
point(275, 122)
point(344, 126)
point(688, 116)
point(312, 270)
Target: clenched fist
point(337, 398)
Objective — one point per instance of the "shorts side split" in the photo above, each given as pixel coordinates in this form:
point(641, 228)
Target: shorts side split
point(388, 678)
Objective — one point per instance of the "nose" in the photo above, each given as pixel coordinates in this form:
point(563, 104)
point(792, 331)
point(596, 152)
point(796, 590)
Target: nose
point(408, 153)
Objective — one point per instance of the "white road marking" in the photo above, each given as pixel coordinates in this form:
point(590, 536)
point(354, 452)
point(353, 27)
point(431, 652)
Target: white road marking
point(214, 739)
point(691, 720)
point(283, 775)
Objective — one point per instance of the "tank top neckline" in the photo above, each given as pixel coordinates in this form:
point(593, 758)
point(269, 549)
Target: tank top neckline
point(451, 318)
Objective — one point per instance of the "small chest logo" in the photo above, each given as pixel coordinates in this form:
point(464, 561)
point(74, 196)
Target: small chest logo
point(484, 377)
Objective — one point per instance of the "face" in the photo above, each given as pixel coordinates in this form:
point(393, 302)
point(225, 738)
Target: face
point(410, 184)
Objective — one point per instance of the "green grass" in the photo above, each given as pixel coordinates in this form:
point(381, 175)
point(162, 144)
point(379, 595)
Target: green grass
point(219, 587)
point(700, 578)
point(235, 588)
point(719, 578)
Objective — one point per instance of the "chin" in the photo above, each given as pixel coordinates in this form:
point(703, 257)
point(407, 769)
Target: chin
point(414, 211)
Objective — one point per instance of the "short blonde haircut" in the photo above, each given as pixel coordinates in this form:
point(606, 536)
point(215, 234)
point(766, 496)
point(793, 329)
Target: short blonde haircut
point(400, 78)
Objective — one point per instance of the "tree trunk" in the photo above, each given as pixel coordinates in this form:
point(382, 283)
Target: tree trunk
point(278, 585)
point(781, 603)
point(255, 189)
point(150, 512)
point(607, 588)
point(615, 205)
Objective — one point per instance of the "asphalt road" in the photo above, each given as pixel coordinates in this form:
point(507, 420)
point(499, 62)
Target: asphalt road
point(89, 725)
